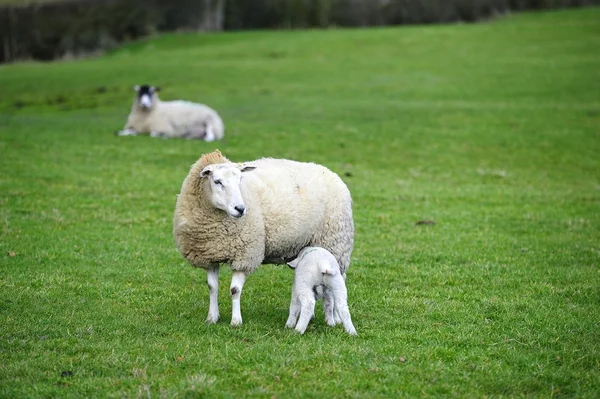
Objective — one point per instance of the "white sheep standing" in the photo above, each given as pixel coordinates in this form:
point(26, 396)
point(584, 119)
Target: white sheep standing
point(264, 211)
point(171, 119)
point(317, 275)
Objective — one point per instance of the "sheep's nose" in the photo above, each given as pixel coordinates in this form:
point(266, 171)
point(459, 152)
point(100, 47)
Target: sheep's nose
point(240, 208)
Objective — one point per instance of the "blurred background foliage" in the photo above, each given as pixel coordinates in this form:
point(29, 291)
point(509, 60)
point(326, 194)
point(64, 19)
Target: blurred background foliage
point(50, 29)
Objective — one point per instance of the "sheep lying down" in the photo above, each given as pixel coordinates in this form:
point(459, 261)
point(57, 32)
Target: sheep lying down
point(317, 276)
point(264, 211)
point(171, 119)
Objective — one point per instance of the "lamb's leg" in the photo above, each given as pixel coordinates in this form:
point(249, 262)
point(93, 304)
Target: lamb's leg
point(237, 283)
point(336, 313)
point(294, 311)
point(328, 306)
point(341, 305)
point(307, 310)
point(213, 290)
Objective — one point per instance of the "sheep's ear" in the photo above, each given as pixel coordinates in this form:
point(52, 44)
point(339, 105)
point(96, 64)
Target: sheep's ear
point(156, 89)
point(136, 88)
point(206, 171)
point(246, 167)
point(293, 263)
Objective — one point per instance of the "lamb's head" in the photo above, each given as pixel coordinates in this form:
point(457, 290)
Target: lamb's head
point(146, 96)
point(225, 180)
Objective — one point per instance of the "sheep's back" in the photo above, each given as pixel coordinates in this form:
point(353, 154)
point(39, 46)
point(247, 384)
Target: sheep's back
point(295, 199)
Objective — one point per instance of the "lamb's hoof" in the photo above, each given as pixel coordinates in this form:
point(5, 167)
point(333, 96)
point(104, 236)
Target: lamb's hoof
point(290, 325)
point(236, 322)
point(330, 322)
point(212, 319)
point(352, 332)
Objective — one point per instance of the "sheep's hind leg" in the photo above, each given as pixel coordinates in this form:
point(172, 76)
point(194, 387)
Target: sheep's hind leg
point(307, 310)
point(328, 306)
point(237, 283)
point(210, 134)
point(294, 311)
point(156, 134)
point(213, 290)
point(341, 305)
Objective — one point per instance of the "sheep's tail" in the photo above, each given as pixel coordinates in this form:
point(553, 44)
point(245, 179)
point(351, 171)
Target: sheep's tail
point(325, 267)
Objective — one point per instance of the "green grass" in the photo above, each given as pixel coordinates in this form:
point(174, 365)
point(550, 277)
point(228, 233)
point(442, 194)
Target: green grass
point(491, 130)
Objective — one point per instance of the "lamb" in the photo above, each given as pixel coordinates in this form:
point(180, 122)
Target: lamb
point(318, 276)
point(258, 212)
point(171, 119)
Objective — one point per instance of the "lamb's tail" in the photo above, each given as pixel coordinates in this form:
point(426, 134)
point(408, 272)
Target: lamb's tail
point(325, 267)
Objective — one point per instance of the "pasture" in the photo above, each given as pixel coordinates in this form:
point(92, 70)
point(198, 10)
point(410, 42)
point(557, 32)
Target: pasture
point(490, 130)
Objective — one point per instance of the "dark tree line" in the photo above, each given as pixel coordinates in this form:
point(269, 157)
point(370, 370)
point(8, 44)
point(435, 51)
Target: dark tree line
point(51, 30)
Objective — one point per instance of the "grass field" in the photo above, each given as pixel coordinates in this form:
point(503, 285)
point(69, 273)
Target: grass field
point(490, 130)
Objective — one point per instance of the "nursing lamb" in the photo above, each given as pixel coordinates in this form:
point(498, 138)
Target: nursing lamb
point(317, 276)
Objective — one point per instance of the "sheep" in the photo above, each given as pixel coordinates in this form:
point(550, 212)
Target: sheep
point(171, 119)
point(258, 212)
point(317, 275)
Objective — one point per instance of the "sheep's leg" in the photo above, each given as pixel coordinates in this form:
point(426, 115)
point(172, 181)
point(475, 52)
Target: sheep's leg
point(127, 132)
point(307, 310)
point(157, 134)
point(336, 314)
point(341, 305)
point(347, 320)
point(213, 290)
point(210, 134)
point(237, 283)
point(294, 311)
point(328, 306)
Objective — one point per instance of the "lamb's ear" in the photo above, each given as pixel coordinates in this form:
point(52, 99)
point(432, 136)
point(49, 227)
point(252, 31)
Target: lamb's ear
point(293, 263)
point(136, 88)
point(206, 171)
point(246, 167)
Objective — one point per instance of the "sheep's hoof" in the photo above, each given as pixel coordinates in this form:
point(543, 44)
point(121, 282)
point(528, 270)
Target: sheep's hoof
point(212, 319)
point(236, 322)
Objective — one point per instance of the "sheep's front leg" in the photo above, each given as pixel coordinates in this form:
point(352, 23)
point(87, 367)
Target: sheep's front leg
point(127, 132)
point(237, 283)
point(213, 290)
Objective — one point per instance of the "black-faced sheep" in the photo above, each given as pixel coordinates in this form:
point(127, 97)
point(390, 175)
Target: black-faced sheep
point(171, 119)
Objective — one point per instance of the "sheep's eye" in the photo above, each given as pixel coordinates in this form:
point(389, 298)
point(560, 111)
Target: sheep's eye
point(218, 182)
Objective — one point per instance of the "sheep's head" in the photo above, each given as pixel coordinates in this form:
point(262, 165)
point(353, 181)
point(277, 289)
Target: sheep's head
point(146, 96)
point(225, 193)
